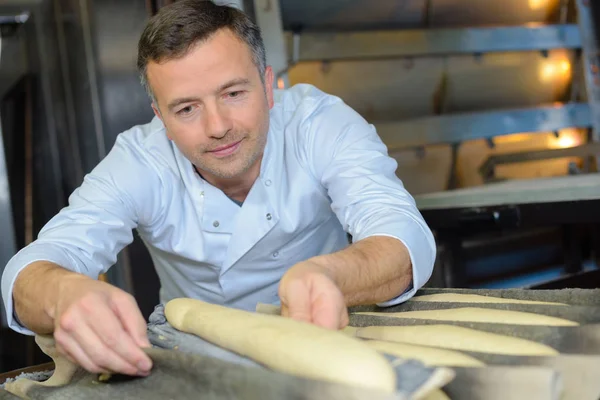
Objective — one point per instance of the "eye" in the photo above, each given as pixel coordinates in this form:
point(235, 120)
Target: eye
point(185, 110)
point(233, 95)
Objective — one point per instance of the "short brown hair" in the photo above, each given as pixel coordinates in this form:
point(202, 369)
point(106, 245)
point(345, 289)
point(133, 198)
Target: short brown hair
point(177, 27)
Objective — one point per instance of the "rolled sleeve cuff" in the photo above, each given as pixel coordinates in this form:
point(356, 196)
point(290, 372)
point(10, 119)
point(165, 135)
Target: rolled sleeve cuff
point(421, 249)
point(32, 253)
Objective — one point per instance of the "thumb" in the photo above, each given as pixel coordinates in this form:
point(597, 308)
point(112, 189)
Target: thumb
point(295, 298)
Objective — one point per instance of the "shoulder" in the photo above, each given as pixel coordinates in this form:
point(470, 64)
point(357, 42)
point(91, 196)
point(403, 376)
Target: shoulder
point(147, 144)
point(308, 113)
point(312, 117)
point(304, 100)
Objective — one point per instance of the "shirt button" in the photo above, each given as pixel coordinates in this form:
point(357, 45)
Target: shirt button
point(216, 224)
point(268, 182)
point(276, 254)
point(269, 216)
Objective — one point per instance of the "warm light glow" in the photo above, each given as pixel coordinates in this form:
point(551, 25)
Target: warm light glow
point(553, 70)
point(514, 138)
point(566, 138)
point(565, 141)
point(565, 67)
point(537, 4)
point(280, 83)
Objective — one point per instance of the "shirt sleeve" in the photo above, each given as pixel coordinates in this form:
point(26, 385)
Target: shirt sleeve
point(87, 235)
point(352, 163)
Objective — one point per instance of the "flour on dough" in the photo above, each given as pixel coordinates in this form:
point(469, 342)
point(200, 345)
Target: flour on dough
point(476, 298)
point(456, 338)
point(475, 314)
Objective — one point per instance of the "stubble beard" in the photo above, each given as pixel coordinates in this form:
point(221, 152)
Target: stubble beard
point(235, 165)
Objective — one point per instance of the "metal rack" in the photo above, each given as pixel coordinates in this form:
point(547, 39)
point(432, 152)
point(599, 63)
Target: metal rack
point(454, 129)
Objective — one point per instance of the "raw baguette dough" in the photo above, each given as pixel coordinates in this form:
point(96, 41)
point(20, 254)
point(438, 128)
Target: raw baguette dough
point(430, 356)
point(474, 314)
point(271, 309)
point(64, 370)
point(350, 331)
point(436, 395)
point(284, 344)
point(476, 298)
point(456, 338)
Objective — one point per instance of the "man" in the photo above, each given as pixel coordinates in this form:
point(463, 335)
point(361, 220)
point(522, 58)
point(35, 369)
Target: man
point(242, 195)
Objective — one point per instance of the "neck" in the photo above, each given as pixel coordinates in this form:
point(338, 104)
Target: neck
point(238, 187)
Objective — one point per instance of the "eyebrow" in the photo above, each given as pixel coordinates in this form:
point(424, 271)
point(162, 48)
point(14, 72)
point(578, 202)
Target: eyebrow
point(225, 86)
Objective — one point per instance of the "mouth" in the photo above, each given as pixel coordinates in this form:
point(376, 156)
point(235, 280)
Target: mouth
point(226, 150)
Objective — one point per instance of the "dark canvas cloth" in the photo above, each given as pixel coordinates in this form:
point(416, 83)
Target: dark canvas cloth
point(579, 314)
point(178, 375)
point(185, 365)
point(575, 297)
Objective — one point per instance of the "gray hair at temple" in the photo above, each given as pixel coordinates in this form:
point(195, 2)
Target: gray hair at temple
point(172, 32)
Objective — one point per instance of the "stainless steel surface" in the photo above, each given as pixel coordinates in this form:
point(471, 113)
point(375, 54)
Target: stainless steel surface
point(591, 61)
point(585, 150)
point(14, 19)
point(92, 77)
point(317, 46)
point(559, 189)
point(13, 60)
point(8, 244)
point(468, 126)
point(268, 18)
point(339, 15)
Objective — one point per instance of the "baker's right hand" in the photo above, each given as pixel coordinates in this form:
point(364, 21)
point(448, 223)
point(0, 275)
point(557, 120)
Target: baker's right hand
point(100, 327)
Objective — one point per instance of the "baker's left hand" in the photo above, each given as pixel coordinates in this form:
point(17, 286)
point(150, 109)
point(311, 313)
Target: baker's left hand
point(309, 293)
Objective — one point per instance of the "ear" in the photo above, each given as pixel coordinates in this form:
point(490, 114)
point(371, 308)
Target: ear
point(157, 113)
point(269, 82)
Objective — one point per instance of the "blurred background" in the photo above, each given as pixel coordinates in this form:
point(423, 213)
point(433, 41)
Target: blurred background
point(490, 107)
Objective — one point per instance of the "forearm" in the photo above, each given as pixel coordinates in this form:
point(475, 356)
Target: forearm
point(369, 271)
point(36, 291)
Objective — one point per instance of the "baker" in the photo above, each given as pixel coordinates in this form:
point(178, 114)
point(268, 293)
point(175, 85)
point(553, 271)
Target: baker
point(241, 193)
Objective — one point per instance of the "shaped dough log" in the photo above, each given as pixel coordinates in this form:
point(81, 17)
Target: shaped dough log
point(436, 395)
point(456, 338)
point(473, 314)
point(284, 344)
point(64, 370)
point(349, 330)
point(271, 309)
point(476, 298)
point(429, 356)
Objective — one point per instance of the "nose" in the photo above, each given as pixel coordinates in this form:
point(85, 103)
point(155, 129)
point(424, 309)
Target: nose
point(217, 122)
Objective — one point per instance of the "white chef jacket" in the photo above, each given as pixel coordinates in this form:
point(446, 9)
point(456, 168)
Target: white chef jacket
point(325, 173)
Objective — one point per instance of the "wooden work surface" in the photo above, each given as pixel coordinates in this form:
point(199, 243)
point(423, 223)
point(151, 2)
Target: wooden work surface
point(526, 191)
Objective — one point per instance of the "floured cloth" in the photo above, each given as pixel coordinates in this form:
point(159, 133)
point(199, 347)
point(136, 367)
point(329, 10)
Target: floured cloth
point(578, 372)
point(183, 376)
point(574, 297)
point(185, 365)
point(500, 383)
point(579, 314)
point(412, 376)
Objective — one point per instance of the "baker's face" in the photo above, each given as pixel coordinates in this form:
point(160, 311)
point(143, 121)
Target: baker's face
point(214, 105)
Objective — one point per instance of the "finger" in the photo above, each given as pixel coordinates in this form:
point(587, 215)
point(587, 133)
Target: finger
point(296, 299)
point(101, 353)
point(125, 352)
point(345, 319)
point(131, 318)
point(326, 313)
point(69, 347)
point(327, 304)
